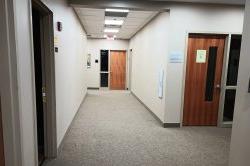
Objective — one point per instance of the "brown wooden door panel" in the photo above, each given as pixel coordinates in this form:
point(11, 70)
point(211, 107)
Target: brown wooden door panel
point(117, 70)
point(2, 160)
point(199, 109)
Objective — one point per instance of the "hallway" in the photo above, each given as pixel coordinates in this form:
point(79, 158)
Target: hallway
point(113, 128)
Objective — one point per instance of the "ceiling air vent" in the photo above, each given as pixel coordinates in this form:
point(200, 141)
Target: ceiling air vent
point(115, 14)
point(112, 26)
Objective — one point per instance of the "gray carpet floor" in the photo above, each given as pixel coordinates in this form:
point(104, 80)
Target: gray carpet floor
point(113, 129)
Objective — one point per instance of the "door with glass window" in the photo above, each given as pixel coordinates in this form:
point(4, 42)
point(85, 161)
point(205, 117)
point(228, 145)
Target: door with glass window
point(203, 79)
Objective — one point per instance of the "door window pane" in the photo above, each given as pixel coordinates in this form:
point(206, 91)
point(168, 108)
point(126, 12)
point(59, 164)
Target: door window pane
point(104, 79)
point(104, 60)
point(229, 105)
point(211, 73)
point(234, 57)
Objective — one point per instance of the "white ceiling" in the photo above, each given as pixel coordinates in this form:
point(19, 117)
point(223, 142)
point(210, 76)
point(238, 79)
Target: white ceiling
point(93, 22)
point(236, 2)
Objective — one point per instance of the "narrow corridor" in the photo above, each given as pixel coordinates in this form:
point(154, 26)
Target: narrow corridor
point(113, 128)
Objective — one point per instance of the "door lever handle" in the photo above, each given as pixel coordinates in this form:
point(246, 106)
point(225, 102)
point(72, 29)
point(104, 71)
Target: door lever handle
point(217, 86)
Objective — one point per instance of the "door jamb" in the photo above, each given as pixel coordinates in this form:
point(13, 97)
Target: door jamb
point(48, 62)
point(226, 54)
point(130, 62)
point(9, 86)
point(224, 79)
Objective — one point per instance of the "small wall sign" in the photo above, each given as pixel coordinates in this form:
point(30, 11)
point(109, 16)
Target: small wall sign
point(201, 56)
point(176, 57)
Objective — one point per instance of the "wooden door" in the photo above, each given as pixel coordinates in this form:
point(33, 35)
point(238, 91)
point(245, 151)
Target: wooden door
point(1, 140)
point(117, 70)
point(203, 79)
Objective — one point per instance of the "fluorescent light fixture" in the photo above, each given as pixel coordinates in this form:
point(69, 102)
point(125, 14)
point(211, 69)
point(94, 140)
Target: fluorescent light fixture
point(114, 22)
point(110, 30)
point(117, 10)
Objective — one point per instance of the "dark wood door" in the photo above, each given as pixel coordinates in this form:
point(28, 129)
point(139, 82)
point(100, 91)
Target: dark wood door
point(203, 79)
point(117, 70)
point(1, 140)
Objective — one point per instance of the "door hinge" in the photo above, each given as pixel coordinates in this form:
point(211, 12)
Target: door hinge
point(44, 94)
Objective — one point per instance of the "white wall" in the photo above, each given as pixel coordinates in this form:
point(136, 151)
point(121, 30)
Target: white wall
point(70, 65)
point(240, 147)
point(149, 52)
point(94, 46)
point(168, 33)
point(25, 75)
point(70, 72)
point(193, 18)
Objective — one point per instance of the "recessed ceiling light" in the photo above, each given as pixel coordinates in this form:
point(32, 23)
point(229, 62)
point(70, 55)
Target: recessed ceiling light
point(109, 30)
point(117, 10)
point(114, 22)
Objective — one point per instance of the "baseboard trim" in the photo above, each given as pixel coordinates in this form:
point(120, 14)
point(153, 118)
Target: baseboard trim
point(165, 125)
point(149, 110)
point(171, 125)
point(93, 88)
point(59, 150)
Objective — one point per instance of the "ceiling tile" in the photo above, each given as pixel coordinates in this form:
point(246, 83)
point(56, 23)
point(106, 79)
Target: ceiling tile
point(93, 21)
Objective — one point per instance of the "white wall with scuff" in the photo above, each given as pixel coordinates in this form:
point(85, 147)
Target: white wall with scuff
point(94, 46)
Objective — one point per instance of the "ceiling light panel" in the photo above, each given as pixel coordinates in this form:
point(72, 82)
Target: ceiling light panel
point(109, 30)
point(93, 21)
point(117, 10)
point(114, 22)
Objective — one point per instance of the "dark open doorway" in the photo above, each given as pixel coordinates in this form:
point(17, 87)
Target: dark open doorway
point(39, 83)
point(43, 38)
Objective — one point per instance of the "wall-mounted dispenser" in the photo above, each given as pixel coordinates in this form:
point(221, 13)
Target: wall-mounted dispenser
point(249, 86)
point(160, 83)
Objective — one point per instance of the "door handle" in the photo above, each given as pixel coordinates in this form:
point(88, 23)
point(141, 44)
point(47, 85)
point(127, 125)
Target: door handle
point(217, 86)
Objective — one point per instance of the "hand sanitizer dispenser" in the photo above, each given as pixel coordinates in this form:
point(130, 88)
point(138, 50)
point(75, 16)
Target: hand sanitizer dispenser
point(160, 84)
